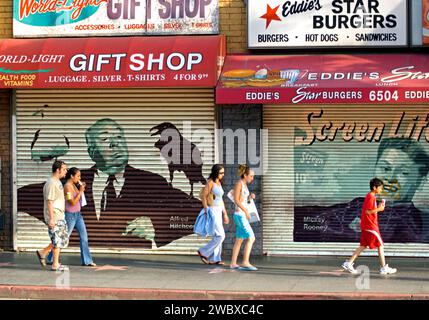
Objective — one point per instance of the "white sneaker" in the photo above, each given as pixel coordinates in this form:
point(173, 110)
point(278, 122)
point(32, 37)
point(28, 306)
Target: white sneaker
point(388, 270)
point(349, 267)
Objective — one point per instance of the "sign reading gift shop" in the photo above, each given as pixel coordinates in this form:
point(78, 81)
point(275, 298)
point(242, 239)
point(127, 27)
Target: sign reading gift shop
point(179, 61)
point(327, 23)
point(326, 79)
point(55, 18)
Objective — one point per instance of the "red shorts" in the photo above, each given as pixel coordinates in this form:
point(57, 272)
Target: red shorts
point(371, 239)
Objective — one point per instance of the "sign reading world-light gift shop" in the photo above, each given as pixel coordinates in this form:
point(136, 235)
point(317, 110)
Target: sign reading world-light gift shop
point(334, 122)
point(52, 18)
point(129, 95)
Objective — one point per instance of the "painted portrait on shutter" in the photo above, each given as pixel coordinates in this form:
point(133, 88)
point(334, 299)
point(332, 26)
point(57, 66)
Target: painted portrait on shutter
point(333, 168)
point(128, 206)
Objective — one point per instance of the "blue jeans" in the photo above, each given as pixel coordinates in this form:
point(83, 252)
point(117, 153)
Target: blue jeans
point(75, 220)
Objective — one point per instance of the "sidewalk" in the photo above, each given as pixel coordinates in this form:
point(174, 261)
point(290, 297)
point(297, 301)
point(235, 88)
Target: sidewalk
point(185, 277)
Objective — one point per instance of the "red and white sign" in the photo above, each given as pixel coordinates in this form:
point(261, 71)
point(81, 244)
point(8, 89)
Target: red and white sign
point(327, 23)
point(180, 61)
point(325, 79)
point(78, 18)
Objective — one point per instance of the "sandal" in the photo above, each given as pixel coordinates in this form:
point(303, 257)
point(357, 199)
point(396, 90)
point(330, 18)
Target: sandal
point(221, 263)
point(61, 268)
point(203, 259)
point(248, 268)
point(42, 261)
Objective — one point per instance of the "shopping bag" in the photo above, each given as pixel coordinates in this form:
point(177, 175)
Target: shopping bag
point(251, 207)
point(83, 202)
point(253, 211)
point(231, 195)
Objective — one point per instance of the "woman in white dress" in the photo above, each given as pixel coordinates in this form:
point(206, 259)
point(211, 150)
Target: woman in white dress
point(212, 251)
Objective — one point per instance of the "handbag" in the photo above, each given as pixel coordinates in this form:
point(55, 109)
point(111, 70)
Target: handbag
point(204, 225)
point(210, 198)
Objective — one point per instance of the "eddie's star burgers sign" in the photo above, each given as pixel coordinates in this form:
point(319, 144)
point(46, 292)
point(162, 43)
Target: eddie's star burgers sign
point(327, 23)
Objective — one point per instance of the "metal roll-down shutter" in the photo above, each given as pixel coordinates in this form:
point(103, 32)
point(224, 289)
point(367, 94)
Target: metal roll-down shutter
point(312, 188)
point(56, 121)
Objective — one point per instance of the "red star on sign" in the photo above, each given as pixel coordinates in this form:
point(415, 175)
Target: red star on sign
point(270, 15)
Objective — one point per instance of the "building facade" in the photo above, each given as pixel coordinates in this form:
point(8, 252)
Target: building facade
point(277, 96)
point(5, 141)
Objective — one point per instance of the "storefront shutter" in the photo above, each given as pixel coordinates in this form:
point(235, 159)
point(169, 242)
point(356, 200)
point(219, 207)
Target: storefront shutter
point(63, 116)
point(308, 182)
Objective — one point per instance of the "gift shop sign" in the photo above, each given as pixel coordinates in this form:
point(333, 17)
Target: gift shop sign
point(179, 61)
point(55, 18)
point(327, 23)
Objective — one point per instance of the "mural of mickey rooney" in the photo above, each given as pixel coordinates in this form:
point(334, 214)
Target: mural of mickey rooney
point(127, 206)
point(402, 164)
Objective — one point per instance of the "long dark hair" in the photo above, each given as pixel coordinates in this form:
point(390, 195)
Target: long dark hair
point(215, 171)
point(71, 172)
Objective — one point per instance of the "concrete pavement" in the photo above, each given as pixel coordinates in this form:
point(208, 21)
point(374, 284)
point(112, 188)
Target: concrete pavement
point(185, 277)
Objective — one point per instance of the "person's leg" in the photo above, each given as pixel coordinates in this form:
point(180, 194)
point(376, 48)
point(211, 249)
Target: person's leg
point(50, 257)
point(247, 250)
point(208, 250)
point(236, 251)
point(211, 250)
point(45, 251)
point(356, 254)
point(71, 222)
point(70, 226)
point(85, 254)
point(381, 256)
point(217, 252)
point(56, 261)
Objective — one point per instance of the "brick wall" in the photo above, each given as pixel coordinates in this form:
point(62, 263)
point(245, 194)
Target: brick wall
point(5, 213)
point(233, 24)
point(6, 206)
point(241, 117)
point(6, 18)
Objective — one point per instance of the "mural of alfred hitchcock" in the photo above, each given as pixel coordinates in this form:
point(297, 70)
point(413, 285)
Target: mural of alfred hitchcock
point(126, 206)
point(403, 165)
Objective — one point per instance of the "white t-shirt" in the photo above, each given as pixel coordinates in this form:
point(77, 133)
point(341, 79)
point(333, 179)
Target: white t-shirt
point(53, 190)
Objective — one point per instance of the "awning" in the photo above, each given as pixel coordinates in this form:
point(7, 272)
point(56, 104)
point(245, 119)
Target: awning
point(309, 79)
point(179, 61)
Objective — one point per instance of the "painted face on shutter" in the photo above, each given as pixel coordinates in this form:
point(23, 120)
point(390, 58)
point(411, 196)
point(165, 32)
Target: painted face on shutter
point(109, 149)
point(400, 175)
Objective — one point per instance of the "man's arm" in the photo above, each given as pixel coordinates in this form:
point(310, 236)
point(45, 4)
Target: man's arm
point(51, 223)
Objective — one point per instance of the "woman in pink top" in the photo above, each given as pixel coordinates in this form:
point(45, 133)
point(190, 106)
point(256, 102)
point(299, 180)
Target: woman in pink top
point(74, 190)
